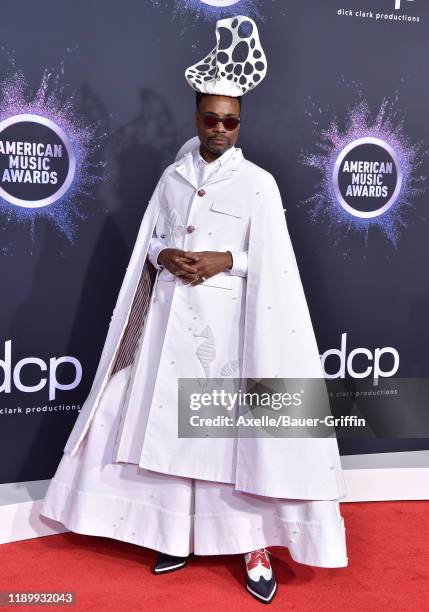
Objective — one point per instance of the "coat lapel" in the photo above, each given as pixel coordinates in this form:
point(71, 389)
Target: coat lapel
point(227, 170)
point(186, 169)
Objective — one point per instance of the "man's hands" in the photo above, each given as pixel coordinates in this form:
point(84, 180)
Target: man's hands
point(192, 265)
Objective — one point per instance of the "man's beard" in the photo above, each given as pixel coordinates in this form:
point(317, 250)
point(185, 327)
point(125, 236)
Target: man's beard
point(218, 149)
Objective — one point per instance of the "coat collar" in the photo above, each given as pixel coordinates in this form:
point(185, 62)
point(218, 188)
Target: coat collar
point(185, 167)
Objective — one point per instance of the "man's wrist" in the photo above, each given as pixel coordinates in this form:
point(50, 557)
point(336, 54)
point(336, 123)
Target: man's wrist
point(231, 259)
point(158, 255)
point(239, 263)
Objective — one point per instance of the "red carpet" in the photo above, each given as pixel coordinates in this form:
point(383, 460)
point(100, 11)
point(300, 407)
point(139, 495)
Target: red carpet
point(388, 549)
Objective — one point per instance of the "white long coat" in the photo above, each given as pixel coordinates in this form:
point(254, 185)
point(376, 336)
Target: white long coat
point(244, 211)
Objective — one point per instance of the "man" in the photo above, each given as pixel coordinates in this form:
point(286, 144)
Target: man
point(226, 301)
point(216, 146)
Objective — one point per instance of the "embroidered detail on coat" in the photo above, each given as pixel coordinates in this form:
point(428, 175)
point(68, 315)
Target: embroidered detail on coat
point(206, 352)
point(173, 228)
point(230, 367)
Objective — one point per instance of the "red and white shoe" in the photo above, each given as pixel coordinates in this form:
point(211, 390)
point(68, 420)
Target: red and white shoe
point(261, 581)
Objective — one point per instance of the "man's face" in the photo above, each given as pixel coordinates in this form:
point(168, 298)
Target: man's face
point(217, 139)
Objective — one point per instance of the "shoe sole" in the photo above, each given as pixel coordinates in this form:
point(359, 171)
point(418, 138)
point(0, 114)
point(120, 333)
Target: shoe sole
point(263, 599)
point(170, 568)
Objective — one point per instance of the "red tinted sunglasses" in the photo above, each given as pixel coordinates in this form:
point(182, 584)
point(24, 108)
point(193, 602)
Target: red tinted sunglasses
point(211, 120)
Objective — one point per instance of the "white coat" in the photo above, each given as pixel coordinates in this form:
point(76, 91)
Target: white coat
point(244, 211)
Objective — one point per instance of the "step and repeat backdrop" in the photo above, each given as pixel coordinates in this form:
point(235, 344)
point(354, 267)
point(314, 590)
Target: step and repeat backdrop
point(94, 105)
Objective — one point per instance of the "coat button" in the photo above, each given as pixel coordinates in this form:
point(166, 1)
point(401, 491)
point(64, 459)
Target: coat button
point(201, 193)
point(190, 229)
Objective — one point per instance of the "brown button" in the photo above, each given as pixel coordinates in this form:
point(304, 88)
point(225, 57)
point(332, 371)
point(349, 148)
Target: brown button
point(201, 193)
point(190, 229)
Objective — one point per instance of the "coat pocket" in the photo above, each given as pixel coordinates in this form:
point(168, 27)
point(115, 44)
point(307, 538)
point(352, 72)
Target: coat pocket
point(228, 207)
point(220, 280)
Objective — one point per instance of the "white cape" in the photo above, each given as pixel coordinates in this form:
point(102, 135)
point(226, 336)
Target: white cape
point(279, 339)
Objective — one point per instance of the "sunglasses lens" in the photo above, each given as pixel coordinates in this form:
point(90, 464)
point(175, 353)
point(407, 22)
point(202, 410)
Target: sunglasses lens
point(231, 123)
point(210, 121)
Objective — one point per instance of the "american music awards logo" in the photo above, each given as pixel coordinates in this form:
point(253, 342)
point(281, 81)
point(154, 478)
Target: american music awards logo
point(37, 161)
point(367, 177)
point(369, 171)
point(48, 154)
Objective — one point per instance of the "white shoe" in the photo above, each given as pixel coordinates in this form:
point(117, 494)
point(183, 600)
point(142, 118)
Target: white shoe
point(261, 581)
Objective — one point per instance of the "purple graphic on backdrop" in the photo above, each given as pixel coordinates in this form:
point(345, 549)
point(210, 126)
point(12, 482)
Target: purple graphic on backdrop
point(211, 10)
point(48, 154)
point(370, 171)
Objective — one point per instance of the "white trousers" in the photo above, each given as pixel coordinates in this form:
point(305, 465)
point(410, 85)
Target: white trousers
point(90, 494)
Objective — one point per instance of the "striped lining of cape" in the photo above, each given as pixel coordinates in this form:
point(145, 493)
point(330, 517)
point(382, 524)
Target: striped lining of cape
point(133, 330)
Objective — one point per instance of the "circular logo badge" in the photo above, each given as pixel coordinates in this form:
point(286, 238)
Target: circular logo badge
point(220, 2)
point(367, 177)
point(37, 162)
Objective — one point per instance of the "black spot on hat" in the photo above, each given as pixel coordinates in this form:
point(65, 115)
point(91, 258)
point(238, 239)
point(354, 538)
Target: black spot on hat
point(240, 52)
point(245, 29)
point(222, 57)
point(225, 38)
point(248, 68)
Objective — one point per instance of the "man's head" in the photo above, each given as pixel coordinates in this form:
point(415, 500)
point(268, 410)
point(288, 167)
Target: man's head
point(216, 140)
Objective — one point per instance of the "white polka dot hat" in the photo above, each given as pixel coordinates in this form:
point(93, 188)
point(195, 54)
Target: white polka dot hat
point(236, 65)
